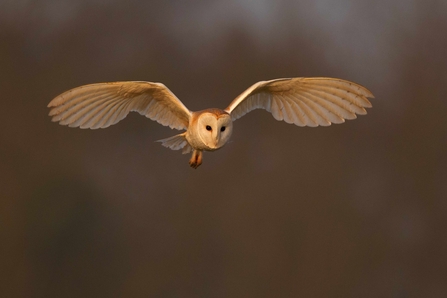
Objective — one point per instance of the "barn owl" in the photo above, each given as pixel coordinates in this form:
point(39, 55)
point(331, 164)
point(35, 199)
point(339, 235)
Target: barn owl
point(301, 101)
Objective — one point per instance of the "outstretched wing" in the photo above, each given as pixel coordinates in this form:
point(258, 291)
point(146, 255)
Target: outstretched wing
point(104, 104)
point(304, 101)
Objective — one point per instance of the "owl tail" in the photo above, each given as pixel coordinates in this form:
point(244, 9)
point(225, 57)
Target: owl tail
point(177, 142)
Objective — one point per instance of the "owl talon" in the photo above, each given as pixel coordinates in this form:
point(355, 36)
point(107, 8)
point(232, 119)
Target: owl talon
point(196, 159)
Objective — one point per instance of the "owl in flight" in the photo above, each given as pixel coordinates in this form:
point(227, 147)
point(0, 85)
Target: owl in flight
point(301, 101)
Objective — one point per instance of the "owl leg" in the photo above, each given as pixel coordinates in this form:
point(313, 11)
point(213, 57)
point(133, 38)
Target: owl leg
point(196, 159)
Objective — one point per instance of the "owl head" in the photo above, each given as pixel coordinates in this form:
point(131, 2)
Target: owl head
point(214, 128)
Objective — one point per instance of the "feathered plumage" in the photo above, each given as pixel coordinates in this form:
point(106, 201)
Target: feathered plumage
point(301, 101)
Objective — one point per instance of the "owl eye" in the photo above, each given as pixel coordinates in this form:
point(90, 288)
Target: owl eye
point(208, 128)
point(222, 128)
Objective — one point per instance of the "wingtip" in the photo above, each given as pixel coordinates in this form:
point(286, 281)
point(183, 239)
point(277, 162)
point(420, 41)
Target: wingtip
point(51, 104)
point(366, 102)
point(57, 101)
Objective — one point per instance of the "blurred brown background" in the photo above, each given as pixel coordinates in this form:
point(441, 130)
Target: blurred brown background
point(352, 210)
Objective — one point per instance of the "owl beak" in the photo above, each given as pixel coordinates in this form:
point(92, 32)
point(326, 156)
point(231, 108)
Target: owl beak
point(217, 139)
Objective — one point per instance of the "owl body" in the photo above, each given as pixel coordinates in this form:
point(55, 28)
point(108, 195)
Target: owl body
point(300, 101)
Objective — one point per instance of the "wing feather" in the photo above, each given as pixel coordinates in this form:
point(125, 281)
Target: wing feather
point(317, 110)
point(97, 118)
point(299, 119)
point(339, 100)
point(104, 104)
point(112, 114)
point(89, 114)
point(276, 110)
point(288, 113)
point(304, 101)
point(106, 114)
point(335, 107)
point(307, 113)
point(326, 107)
point(67, 111)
